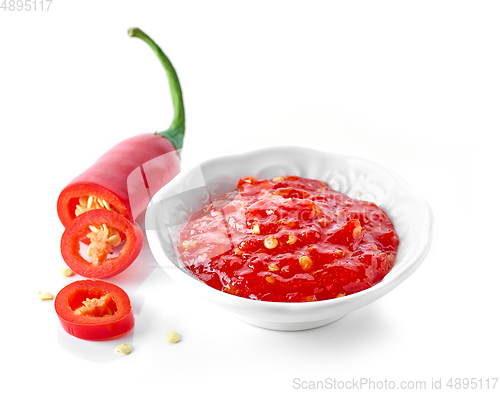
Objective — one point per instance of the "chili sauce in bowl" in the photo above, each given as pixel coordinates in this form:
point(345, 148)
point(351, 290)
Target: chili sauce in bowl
point(289, 239)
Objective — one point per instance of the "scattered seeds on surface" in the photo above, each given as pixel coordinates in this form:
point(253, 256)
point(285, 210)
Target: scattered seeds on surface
point(173, 337)
point(124, 348)
point(67, 272)
point(45, 296)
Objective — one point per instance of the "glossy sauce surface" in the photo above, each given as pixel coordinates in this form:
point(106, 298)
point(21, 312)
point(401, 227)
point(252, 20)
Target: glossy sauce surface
point(288, 239)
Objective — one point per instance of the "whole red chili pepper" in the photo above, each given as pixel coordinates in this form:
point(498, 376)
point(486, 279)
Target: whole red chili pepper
point(126, 176)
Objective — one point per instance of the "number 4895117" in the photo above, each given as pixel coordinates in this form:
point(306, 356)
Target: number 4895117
point(26, 5)
point(472, 383)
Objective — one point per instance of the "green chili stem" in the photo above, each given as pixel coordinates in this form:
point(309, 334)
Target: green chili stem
point(174, 133)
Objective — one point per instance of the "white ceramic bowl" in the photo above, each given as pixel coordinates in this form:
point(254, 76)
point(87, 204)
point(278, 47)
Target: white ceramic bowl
point(358, 178)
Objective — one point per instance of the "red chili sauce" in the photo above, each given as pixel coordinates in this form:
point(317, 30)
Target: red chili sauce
point(289, 239)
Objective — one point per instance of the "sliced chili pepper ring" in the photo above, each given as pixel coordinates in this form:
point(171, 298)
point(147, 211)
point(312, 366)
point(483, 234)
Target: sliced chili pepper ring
point(78, 231)
point(70, 196)
point(94, 310)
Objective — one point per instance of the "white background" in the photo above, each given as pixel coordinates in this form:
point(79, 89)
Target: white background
point(412, 85)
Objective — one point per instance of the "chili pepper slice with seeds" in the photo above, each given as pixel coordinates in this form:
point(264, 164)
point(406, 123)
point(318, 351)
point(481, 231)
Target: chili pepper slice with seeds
point(94, 310)
point(124, 179)
point(114, 243)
